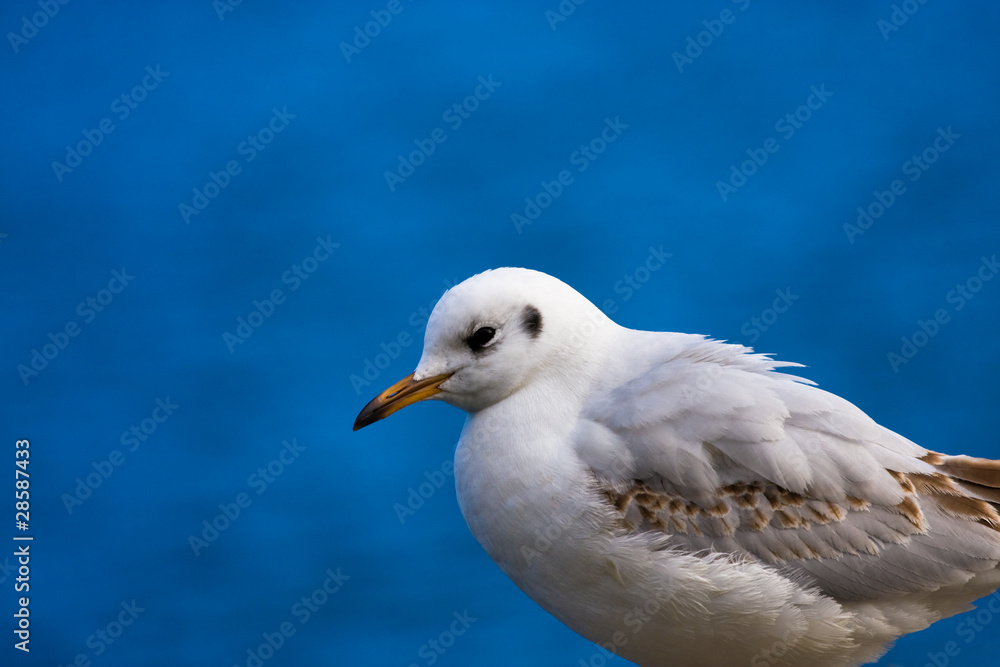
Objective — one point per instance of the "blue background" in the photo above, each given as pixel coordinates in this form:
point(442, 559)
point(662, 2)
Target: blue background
point(323, 176)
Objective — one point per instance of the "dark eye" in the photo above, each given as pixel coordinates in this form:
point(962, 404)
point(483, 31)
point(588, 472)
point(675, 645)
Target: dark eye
point(481, 338)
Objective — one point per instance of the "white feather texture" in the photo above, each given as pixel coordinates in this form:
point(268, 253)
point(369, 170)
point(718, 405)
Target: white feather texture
point(687, 502)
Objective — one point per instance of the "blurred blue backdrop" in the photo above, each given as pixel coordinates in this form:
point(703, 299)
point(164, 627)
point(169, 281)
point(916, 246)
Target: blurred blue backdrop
point(170, 166)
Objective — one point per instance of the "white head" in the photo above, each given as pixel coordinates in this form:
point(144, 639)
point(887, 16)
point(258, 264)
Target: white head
point(491, 335)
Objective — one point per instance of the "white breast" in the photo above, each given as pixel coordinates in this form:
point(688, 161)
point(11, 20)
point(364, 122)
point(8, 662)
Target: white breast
point(528, 503)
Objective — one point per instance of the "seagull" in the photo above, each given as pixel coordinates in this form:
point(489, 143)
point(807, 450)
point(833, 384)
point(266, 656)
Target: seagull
point(683, 501)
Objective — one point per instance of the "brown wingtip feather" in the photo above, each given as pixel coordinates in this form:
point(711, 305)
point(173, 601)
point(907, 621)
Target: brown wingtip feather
point(970, 508)
point(964, 486)
point(985, 472)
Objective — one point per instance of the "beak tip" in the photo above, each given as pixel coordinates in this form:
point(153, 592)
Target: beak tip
point(366, 417)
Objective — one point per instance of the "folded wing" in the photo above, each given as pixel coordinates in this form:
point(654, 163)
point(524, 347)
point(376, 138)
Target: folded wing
point(714, 447)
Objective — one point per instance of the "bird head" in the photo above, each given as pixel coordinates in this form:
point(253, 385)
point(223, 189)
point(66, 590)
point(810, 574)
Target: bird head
point(488, 337)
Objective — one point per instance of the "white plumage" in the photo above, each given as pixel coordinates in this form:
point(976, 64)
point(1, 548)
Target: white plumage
point(681, 501)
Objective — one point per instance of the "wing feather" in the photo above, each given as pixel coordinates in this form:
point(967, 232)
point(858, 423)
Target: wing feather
point(713, 447)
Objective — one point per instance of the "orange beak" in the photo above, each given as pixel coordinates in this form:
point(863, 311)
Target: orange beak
point(398, 396)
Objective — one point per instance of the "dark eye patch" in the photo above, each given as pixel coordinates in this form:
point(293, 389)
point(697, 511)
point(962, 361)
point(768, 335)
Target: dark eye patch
point(532, 320)
point(482, 337)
